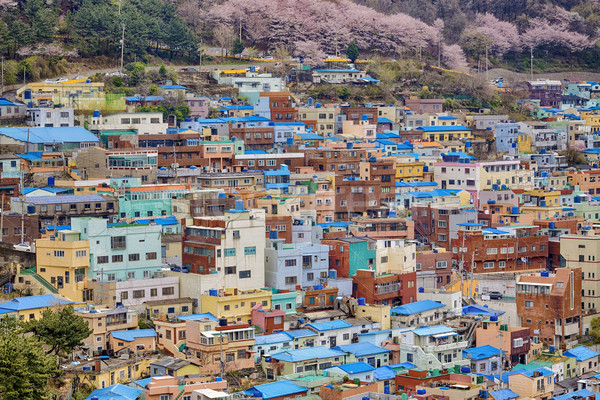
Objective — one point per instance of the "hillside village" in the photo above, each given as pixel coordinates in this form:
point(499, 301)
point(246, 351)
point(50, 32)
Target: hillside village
point(225, 238)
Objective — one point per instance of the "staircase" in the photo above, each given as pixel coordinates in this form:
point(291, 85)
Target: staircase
point(31, 272)
point(181, 392)
point(174, 350)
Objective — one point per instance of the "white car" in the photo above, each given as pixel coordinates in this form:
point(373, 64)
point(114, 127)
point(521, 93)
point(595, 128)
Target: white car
point(23, 247)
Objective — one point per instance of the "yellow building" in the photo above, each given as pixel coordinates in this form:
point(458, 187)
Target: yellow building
point(592, 119)
point(377, 313)
point(31, 308)
point(83, 187)
point(524, 143)
point(445, 133)
point(409, 170)
point(102, 373)
point(63, 262)
point(537, 386)
point(323, 119)
point(235, 305)
point(104, 320)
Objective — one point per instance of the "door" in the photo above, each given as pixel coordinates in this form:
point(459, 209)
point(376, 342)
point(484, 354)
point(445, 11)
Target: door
point(332, 341)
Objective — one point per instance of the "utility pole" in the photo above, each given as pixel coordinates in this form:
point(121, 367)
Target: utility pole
point(24, 79)
point(531, 62)
point(22, 219)
point(486, 63)
point(2, 220)
point(122, 47)
point(2, 83)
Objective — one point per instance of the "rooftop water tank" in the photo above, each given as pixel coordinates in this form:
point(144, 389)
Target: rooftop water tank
point(545, 274)
point(362, 301)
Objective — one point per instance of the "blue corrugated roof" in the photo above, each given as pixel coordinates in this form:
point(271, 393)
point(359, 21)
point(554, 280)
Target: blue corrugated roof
point(4, 102)
point(386, 142)
point(470, 224)
point(443, 128)
point(542, 371)
point(433, 330)
point(578, 394)
point(115, 392)
point(476, 309)
point(75, 134)
point(130, 336)
point(504, 394)
point(275, 389)
point(581, 353)
point(416, 307)
point(461, 154)
point(387, 135)
point(329, 325)
point(447, 117)
point(405, 365)
point(68, 198)
point(170, 220)
point(289, 124)
point(481, 352)
point(415, 184)
point(311, 136)
point(147, 98)
point(272, 338)
point(172, 87)
point(299, 333)
point(32, 302)
point(362, 349)
point(494, 231)
point(384, 373)
point(307, 353)
point(384, 121)
point(194, 317)
point(354, 368)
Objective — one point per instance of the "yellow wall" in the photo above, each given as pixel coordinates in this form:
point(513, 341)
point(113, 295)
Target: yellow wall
point(410, 170)
point(103, 379)
point(524, 142)
point(239, 306)
point(56, 258)
point(377, 313)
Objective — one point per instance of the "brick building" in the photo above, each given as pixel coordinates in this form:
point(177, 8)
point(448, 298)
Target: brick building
point(281, 106)
point(550, 305)
point(514, 248)
point(434, 267)
point(548, 92)
point(355, 114)
point(349, 254)
point(342, 162)
point(282, 224)
point(255, 138)
point(385, 289)
point(438, 223)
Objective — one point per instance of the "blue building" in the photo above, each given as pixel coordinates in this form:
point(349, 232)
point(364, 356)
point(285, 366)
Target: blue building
point(278, 178)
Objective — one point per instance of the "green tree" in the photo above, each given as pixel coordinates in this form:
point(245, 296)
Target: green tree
point(352, 52)
point(238, 47)
point(45, 22)
point(162, 71)
point(62, 330)
point(24, 367)
point(595, 329)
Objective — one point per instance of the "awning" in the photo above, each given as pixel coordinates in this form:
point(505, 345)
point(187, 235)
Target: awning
point(534, 284)
point(443, 335)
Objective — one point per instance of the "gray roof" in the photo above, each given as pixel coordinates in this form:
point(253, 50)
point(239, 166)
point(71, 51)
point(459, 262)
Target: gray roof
point(70, 198)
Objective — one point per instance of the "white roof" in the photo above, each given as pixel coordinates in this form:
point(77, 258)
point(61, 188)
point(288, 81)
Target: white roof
point(211, 394)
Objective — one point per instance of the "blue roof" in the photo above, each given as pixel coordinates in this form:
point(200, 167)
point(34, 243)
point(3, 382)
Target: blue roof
point(307, 353)
point(476, 309)
point(384, 121)
point(147, 98)
point(433, 330)
point(311, 136)
point(461, 154)
point(471, 224)
point(415, 184)
point(75, 134)
point(542, 371)
point(581, 353)
point(33, 302)
point(209, 120)
point(416, 307)
point(130, 336)
point(406, 365)
point(69, 198)
point(591, 151)
point(362, 349)
point(4, 102)
point(443, 128)
point(447, 117)
point(434, 193)
point(299, 333)
point(481, 352)
point(578, 394)
point(354, 368)
point(386, 142)
point(275, 389)
point(494, 231)
point(289, 124)
point(194, 317)
point(504, 394)
point(273, 338)
point(369, 79)
point(386, 135)
point(384, 373)
point(172, 87)
point(329, 325)
point(170, 220)
point(115, 392)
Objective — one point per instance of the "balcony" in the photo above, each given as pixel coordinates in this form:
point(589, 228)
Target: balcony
point(570, 329)
point(446, 347)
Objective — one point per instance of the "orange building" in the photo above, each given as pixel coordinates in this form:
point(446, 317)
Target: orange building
point(134, 340)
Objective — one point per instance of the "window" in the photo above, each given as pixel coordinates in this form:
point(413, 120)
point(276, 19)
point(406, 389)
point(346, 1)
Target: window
point(290, 280)
point(230, 270)
point(138, 294)
point(248, 251)
point(245, 274)
point(492, 251)
point(59, 253)
point(80, 253)
point(124, 295)
point(131, 275)
point(441, 264)
point(529, 304)
point(117, 258)
point(384, 259)
point(229, 252)
point(488, 265)
point(151, 256)
point(168, 291)
point(118, 242)
point(153, 292)
point(290, 263)
point(134, 257)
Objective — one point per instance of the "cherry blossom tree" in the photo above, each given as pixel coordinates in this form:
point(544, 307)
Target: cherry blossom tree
point(454, 57)
point(541, 32)
point(503, 35)
point(310, 51)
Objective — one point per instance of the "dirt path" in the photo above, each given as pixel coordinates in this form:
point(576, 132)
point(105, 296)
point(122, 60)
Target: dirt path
point(511, 76)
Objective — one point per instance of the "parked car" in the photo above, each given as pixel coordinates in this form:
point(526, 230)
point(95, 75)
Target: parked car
point(494, 295)
point(183, 269)
point(23, 247)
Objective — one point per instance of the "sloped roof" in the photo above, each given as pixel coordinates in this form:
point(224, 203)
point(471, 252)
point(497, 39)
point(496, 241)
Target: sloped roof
point(581, 353)
point(115, 392)
point(132, 335)
point(330, 325)
point(481, 352)
point(362, 349)
point(33, 302)
point(433, 330)
point(504, 394)
point(272, 338)
point(66, 134)
point(275, 389)
point(416, 307)
point(307, 353)
point(354, 368)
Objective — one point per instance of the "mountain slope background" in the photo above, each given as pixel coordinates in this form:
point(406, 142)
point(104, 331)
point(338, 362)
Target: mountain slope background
point(39, 38)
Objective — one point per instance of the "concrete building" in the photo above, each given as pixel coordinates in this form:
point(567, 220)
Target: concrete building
point(478, 176)
point(142, 123)
point(435, 347)
point(296, 264)
point(48, 117)
point(548, 92)
point(102, 321)
point(229, 248)
point(550, 305)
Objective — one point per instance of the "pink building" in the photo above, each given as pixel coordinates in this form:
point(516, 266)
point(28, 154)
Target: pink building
point(198, 106)
point(163, 386)
point(268, 320)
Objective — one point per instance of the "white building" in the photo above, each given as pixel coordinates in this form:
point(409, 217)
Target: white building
point(143, 123)
point(478, 176)
point(435, 347)
point(289, 265)
point(49, 117)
